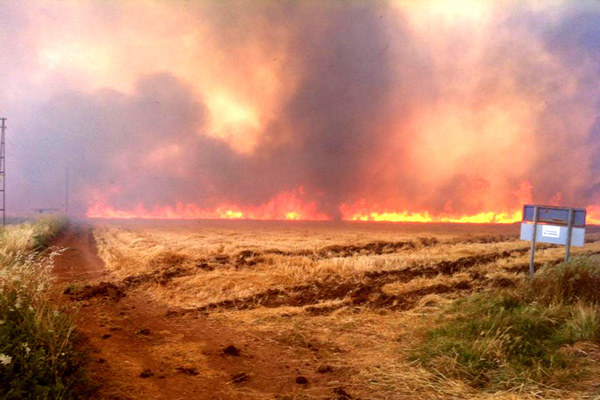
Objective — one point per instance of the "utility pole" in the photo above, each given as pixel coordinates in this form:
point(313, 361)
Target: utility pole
point(67, 193)
point(3, 170)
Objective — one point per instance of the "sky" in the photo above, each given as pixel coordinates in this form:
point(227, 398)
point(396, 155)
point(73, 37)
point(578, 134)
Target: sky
point(317, 109)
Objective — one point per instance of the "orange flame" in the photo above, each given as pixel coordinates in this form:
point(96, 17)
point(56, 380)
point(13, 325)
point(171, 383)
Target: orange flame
point(286, 206)
point(593, 215)
point(360, 212)
point(289, 205)
point(274, 210)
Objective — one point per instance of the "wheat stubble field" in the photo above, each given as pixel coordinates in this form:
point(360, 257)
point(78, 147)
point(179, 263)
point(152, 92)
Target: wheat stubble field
point(313, 309)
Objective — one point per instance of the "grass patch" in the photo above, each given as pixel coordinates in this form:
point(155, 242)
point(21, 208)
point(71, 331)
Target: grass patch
point(503, 339)
point(45, 229)
point(575, 281)
point(37, 357)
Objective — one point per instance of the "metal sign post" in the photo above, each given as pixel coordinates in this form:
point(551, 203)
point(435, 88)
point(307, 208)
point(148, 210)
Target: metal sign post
point(569, 234)
point(532, 256)
point(556, 225)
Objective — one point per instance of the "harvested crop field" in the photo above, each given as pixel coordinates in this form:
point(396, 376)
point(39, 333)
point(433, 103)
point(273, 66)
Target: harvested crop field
point(287, 310)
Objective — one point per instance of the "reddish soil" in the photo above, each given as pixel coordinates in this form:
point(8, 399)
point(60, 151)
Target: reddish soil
point(137, 352)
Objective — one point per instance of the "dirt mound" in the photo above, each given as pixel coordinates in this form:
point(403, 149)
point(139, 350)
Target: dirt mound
point(365, 292)
point(341, 394)
point(446, 267)
point(231, 350)
point(249, 258)
point(187, 371)
point(103, 289)
point(245, 258)
point(484, 239)
point(371, 248)
point(115, 291)
point(162, 276)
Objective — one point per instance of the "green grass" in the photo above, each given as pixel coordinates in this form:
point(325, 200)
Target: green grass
point(505, 339)
point(37, 355)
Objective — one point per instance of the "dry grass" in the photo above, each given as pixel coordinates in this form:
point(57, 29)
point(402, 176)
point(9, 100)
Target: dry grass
point(363, 294)
point(38, 358)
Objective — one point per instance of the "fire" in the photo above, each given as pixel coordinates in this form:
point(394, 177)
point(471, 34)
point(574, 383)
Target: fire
point(286, 206)
point(289, 206)
point(292, 215)
point(230, 214)
point(293, 206)
point(593, 215)
point(359, 212)
point(275, 210)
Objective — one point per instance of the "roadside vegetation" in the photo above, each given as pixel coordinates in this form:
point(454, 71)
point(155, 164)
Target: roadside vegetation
point(37, 358)
point(542, 333)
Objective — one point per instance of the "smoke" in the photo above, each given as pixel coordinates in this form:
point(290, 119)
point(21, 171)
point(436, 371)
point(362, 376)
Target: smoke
point(403, 106)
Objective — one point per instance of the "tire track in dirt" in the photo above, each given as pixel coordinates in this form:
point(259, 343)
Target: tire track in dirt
point(386, 247)
point(136, 352)
point(173, 268)
point(362, 290)
point(251, 257)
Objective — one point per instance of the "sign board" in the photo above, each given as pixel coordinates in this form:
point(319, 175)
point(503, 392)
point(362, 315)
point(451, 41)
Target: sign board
point(551, 231)
point(555, 225)
point(554, 215)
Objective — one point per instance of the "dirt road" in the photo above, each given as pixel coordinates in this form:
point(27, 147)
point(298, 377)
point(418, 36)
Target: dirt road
point(138, 351)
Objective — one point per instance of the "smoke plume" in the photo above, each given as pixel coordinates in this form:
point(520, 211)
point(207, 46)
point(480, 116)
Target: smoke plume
point(425, 107)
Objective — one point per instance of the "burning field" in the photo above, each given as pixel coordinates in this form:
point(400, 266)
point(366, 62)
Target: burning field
point(290, 310)
point(399, 110)
point(310, 199)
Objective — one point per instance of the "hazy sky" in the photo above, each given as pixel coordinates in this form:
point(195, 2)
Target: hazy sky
point(439, 106)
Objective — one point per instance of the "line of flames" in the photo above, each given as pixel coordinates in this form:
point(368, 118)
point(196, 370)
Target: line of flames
point(405, 216)
point(191, 211)
point(285, 206)
point(289, 205)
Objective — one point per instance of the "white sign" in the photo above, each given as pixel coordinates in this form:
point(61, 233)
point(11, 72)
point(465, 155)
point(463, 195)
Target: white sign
point(550, 231)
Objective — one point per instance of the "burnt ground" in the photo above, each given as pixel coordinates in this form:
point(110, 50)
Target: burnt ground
point(137, 352)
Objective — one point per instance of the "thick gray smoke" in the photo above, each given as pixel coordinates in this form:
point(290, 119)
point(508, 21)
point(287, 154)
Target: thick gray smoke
point(368, 111)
